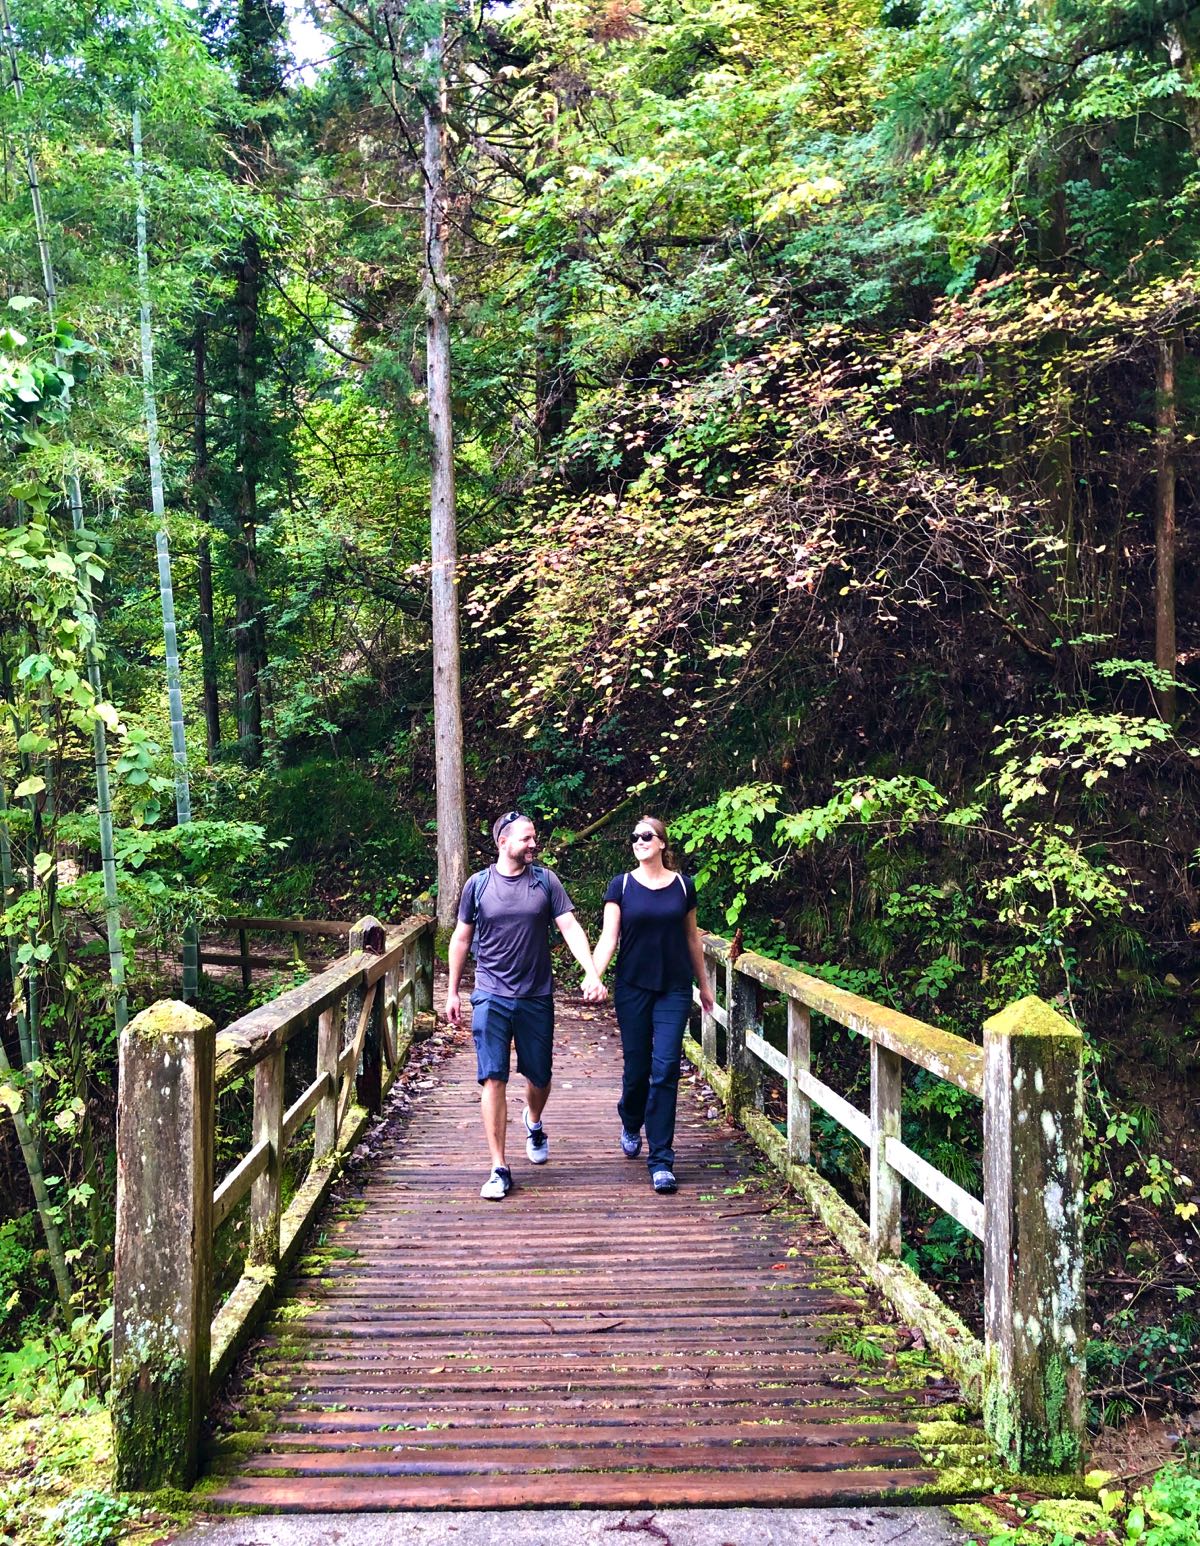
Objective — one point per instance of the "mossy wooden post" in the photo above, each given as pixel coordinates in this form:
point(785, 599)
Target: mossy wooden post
point(423, 975)
point(886, 1071)
point(329, 1047)
point(162, 1284)
point(744, 1016)
point(268, 1129)
point(1033, 1248)
point(708, 1023)
point(799, 1107)
point(368, 937)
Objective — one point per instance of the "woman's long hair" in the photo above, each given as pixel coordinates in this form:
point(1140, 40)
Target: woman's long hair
point(660, 830)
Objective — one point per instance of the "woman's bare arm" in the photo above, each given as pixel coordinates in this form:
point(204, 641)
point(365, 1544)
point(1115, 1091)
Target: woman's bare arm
point(610, 934)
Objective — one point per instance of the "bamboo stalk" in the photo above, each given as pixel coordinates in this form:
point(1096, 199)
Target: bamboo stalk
point(183, 796)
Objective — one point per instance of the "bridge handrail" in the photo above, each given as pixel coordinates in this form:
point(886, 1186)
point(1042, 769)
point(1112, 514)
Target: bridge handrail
point(1028, 1374)
point(169, 1350)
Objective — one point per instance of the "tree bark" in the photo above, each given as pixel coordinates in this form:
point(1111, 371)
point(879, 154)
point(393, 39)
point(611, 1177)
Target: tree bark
point(1166, 477)
point(200, 482)
point(451, 799)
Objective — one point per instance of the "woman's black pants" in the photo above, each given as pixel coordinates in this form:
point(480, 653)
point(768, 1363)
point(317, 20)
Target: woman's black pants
point(652, 1029)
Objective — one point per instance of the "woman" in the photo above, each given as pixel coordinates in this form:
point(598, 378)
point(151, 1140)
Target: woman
point(651, 911)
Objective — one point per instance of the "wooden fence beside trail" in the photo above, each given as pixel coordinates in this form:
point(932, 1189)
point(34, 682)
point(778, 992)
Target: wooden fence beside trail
point(169, 1349)
point(1028, 1373)
point(296, 928)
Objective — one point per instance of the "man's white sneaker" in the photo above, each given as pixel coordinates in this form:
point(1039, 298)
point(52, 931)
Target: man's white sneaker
point(537, 1145)
point(498, 1184)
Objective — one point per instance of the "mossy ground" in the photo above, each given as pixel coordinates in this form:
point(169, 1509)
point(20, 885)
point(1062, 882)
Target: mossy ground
point(50, 1457)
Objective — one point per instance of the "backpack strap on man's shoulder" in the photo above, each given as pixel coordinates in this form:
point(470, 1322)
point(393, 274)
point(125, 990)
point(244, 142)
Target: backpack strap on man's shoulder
point(541, 877)
point(476, 883)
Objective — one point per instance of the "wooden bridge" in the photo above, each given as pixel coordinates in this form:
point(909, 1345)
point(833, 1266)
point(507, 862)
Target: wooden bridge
point(586, 1341)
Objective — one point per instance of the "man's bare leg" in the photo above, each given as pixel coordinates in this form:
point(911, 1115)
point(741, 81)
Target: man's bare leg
point(537, 1095)
point(493, 1102)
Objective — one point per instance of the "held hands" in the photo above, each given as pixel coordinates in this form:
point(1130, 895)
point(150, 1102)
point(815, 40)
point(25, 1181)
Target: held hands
point(594, 991)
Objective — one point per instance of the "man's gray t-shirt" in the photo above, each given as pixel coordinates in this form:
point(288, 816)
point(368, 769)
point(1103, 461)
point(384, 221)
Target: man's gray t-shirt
point(512, 930)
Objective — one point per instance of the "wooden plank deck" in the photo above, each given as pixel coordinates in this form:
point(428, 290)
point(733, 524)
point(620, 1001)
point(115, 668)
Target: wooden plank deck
point(584, 1342)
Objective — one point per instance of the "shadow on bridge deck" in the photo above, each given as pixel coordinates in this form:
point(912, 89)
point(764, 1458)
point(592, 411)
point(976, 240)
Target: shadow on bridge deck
point(584, 1342)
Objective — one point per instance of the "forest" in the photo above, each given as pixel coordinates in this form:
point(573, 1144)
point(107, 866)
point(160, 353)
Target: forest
point(824, 384)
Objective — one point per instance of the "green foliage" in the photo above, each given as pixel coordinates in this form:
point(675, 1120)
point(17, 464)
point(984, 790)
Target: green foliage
point(725, 838)
point(1165, 1512)
point(18, 1244)
point(326, 807)
point(59, 1371)
point(91, 1518)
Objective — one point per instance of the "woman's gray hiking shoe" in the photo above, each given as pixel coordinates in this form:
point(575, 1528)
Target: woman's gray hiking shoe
point(537, 1145)
point(631, 1143)
point(663, 1180)
point(498, 1184)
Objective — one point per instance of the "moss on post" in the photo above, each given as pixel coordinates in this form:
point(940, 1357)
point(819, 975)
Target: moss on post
point(368, 938)
point(744, 1015)
point(162, 1290)
point(1033, 1246)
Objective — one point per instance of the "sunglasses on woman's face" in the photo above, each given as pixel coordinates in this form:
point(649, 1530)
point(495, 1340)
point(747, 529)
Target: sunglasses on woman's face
point(643, 837)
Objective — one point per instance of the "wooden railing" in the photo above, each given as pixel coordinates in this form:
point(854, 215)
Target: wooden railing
point(170, 1350)
point(1028, 1373)
point(296, 928)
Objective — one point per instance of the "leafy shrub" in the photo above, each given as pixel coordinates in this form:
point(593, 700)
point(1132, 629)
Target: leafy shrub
point(324, 805)
point(18, 1241)
point(90, 1518)
point(1164, 1513)
point(331, 809)
point(61, 1370)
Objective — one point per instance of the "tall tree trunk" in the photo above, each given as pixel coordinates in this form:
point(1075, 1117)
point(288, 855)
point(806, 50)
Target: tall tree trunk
point(555, 390)
point(166, 590)
point(1166, 476)
point(246, 593)
point(112, 912)
point(1181, 45)
point(451, 797)
point(200, 479)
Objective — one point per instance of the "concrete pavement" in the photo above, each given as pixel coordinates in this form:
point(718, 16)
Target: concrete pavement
point(872, 1525)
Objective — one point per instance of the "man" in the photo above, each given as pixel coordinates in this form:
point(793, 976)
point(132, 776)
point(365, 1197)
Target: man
point(505, 911)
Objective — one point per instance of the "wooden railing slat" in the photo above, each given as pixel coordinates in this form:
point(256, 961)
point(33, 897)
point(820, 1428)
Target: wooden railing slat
point(950, 1057)
point(327, 928)
point(172, 1070)
point(766, 1053)
point(239, 1181)
point(949, 1196)
point(348, 1061)
point(851, 1118)
point(1028, 1075)
point(302, 1108)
